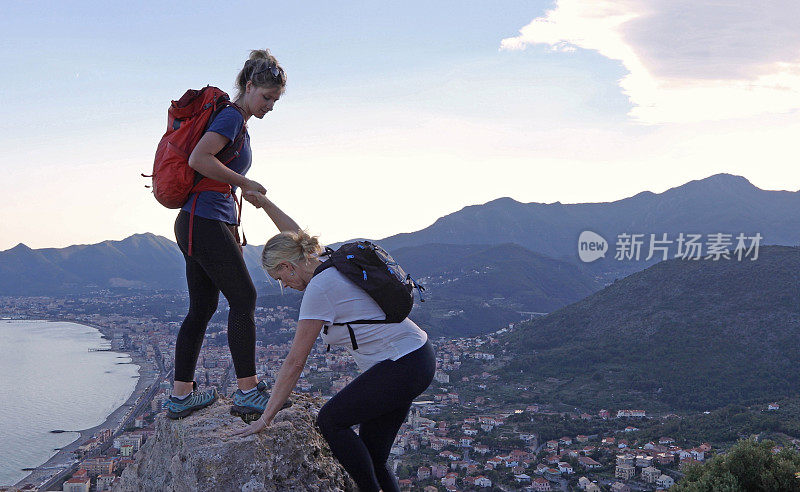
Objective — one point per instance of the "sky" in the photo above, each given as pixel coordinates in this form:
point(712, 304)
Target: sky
point(395, 113)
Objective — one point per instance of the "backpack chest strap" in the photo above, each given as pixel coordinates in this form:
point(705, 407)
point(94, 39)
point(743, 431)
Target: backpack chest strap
point(349, 330)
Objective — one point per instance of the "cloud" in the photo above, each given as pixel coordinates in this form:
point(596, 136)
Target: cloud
point(686, 60)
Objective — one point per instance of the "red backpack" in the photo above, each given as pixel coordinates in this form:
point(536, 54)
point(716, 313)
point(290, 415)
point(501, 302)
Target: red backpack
point(187, 120)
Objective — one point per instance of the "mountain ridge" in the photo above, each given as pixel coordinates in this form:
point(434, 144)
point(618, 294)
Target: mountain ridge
point(719, 203)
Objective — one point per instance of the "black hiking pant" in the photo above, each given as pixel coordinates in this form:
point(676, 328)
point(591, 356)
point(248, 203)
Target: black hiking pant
point(216, 265)
point(378, 400)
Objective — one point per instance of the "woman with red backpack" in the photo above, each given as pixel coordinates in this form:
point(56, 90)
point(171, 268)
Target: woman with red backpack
point(207, 235)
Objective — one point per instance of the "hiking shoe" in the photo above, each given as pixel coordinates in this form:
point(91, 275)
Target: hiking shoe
point(253, 402)
point(177, 408)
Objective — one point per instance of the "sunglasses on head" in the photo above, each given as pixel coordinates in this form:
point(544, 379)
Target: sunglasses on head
point(272, 68)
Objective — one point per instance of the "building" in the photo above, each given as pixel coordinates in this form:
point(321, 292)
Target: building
point(552, 474)
point(482, 481)
point(423, 473)
point(541, 484)
point(479, 481)
point(522, 478)
point(98, 466)
point(620, 487)
point(625, 472)
point(438, 471)
point(450, 479)
point(651, 474)
point(133, 439)
point(626, 459)
point(630, 413)
point(104, 481)
point(665, 481)
point(588, 463)
point(77, 485)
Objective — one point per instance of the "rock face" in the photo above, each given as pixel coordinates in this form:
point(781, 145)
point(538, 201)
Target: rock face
point(199, 453)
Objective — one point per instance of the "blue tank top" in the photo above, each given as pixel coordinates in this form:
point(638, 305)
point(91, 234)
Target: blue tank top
point(213, 204)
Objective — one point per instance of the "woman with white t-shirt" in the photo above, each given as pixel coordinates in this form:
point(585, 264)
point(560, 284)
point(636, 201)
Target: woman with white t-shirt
point(396, 360)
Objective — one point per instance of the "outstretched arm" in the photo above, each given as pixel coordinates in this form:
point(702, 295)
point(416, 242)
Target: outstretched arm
point(288, 375)
point(283, 222)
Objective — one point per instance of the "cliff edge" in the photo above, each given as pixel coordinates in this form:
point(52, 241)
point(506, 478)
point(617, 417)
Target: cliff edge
point(199, 453)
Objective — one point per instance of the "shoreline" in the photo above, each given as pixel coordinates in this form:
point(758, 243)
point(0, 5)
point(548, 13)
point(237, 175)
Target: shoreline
point(63, 459)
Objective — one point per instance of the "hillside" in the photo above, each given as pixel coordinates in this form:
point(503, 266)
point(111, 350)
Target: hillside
point(472, 289)
point(679, 335)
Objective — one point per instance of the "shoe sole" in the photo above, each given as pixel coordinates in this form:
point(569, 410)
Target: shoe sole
point(184, 413)
point(247, 412)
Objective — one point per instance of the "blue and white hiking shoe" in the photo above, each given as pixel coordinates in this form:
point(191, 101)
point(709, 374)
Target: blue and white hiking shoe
point(177, 408)
point(253, 402)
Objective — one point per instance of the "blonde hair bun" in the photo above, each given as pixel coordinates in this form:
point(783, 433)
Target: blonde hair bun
point(291, 247)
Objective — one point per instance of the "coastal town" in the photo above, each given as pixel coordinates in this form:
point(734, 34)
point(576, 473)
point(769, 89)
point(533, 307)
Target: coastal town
point(455, 438)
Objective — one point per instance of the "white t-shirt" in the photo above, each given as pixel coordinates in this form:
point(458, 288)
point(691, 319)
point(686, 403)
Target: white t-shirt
point(332, 298)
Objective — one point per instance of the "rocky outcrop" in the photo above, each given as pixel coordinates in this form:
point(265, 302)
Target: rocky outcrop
point(199, 453)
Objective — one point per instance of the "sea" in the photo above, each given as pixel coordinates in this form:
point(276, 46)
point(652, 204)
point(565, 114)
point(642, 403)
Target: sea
point(50, 380)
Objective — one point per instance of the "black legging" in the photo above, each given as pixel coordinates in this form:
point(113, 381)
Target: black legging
point(216, 265)
point(378, 400)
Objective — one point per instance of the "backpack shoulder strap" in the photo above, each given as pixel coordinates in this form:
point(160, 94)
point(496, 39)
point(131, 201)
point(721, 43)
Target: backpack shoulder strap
point(231, 149)
point(325, 264)
point(322, 267)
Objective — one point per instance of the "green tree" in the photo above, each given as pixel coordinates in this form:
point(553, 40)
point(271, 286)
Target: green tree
point(748, 465)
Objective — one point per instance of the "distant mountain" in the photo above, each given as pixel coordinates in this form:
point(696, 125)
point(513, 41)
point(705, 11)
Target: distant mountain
point(139, 261)
point(718, 204)
point(680, 335)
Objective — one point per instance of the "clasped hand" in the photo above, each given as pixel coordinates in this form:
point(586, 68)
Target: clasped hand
point(258, 200)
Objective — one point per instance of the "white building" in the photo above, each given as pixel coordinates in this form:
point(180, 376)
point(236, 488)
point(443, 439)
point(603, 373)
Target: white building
point(77, 485)
point(665, 481)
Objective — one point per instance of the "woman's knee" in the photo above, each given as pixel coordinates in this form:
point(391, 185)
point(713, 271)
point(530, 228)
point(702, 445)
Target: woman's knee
point(244, 299)
point(202, 313)
point(326, 422)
